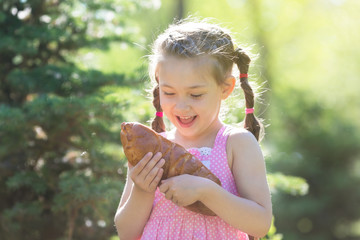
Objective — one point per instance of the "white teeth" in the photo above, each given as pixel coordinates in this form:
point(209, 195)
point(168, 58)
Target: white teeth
point(185, 118)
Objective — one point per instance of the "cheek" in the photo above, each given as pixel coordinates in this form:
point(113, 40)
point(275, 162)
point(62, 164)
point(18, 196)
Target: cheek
point(209, 104)
point(165, 102)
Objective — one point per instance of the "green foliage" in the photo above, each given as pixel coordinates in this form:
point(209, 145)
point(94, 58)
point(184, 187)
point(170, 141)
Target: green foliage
point(321, 146)
point(27, 179)
point(61, 165)
point(287, 184)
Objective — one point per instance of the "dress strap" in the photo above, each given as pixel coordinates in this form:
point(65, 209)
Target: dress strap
point(221, 137)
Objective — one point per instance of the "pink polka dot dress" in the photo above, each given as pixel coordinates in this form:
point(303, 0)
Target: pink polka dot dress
point(170, 222)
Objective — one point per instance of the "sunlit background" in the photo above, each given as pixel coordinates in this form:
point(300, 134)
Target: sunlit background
point(71, 71)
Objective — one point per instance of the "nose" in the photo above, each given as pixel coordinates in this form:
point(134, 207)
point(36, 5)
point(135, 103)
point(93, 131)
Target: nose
point(182, 106)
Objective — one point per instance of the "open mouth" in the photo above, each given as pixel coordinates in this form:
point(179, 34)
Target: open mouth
point(186, 121)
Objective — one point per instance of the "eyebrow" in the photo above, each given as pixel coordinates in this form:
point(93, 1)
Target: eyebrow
point(191, 87)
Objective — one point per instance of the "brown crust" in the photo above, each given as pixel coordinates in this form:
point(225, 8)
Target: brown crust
point(137, 140)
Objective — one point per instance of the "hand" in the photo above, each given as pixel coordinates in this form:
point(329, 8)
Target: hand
point(147, 173)
point(183, 190)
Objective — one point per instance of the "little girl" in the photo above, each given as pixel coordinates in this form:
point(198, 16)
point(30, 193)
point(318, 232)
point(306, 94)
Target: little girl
point(192, 69)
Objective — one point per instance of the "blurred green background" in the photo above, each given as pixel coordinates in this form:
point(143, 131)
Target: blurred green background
point(72, 70)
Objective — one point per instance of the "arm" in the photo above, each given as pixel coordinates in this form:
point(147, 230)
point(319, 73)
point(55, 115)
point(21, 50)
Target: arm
point(138, 196)
point(252, 211)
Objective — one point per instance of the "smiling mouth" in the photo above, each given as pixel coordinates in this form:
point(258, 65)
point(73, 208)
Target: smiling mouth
point(186, 120)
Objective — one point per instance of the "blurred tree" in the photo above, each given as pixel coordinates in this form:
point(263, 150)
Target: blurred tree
point(180, 9)
point(314, 142)
point(59, 124)
point(311, 136)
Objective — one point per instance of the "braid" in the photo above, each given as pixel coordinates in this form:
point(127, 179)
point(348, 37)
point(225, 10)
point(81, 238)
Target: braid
point(158, 122)
point(251, 123)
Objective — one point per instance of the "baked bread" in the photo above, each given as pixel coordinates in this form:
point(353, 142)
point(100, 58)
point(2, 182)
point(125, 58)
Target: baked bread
point(137, 140)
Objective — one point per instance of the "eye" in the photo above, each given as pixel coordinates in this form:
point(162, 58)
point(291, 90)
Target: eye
point(196, 95)
point(168, 93)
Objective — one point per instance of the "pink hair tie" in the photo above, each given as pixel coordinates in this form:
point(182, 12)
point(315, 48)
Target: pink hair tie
point(159, 114)
point(249, 110)
point(244, 75)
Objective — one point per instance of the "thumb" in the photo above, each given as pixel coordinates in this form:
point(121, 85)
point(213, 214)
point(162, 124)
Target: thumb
point(164, 186)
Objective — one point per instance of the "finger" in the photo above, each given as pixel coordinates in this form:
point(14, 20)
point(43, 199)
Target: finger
point(164, 187)
point(136, 170)
point(169, 195)
point(151, 164)
point(156, 180)
point(154, 171)
point(177, 202)
point(175, 199)
point(142, 163)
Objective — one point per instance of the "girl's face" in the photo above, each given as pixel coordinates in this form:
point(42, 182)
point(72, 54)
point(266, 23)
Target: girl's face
point(189, 95)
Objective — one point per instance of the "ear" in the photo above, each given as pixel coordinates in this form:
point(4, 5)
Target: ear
point(157, 73)
point(228, 87)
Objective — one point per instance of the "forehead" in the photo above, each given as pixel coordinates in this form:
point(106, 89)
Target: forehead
point(185, 71)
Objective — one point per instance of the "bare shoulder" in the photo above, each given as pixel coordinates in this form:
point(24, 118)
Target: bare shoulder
point(243, 148)
point(248, 166)
point(241, 140)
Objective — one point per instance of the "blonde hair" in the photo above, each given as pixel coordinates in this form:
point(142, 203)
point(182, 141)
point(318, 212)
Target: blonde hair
point(190, 39)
